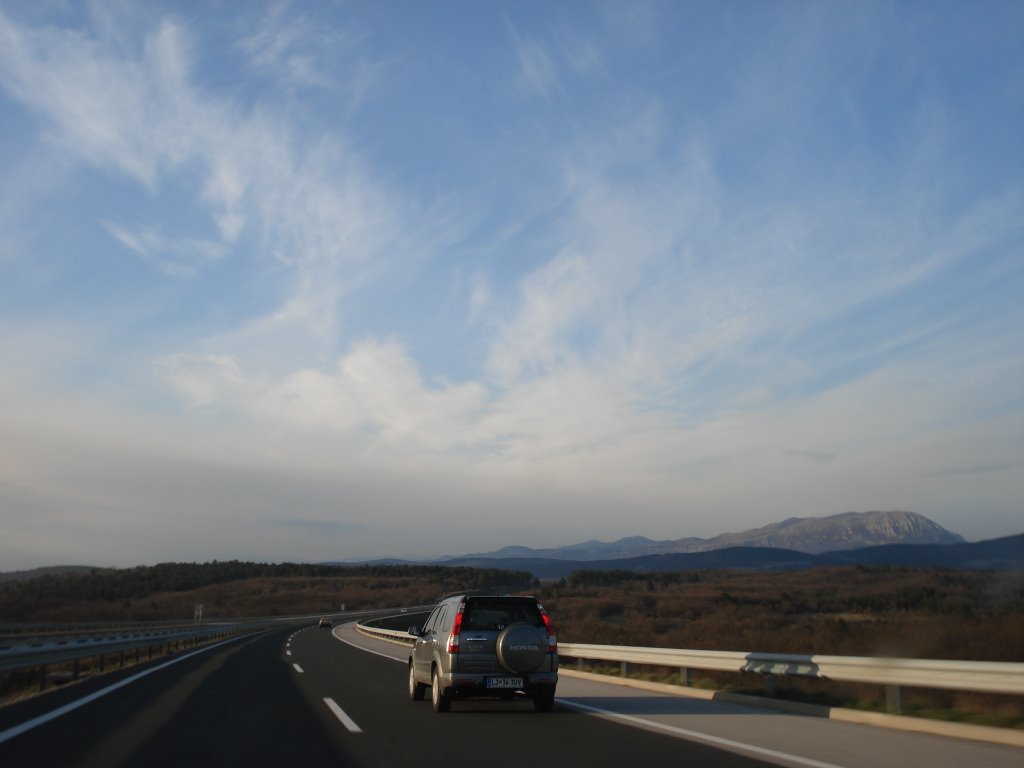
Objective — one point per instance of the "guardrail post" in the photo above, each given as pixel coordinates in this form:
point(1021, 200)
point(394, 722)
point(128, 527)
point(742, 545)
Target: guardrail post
point(625, 669)
point(894, 699)
point(771, 686)
point(684, 676)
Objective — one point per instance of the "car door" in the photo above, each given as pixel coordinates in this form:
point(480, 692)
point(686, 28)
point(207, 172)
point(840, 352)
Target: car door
point(438, 637)
point(423, 649)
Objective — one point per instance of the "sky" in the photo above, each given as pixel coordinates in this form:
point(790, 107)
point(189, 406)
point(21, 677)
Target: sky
point(325, 281)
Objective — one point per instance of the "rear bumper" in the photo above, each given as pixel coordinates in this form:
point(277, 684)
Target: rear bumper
point(464, 685)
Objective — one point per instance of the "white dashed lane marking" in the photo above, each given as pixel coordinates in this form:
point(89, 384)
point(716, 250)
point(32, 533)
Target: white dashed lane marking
point(339, 713)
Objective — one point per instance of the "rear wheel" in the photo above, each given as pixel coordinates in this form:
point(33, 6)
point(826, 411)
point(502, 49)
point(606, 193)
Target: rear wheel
point(544, 700)
point(442, 702)
point(416, 689)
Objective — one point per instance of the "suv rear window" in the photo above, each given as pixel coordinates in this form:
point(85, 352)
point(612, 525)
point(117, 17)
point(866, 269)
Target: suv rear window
point(498, 613)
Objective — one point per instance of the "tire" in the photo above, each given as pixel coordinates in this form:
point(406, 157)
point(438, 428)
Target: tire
point(416, 689)
point(544, 701)
point(442, 701)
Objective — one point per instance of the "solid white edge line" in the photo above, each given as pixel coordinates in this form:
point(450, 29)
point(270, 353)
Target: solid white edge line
point(717, 741)
point(297, 668)
point(339, 713)
point(28, 725)
point(367, 650)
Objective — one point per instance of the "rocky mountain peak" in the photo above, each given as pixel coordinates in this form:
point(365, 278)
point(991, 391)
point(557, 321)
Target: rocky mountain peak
point(849, 530)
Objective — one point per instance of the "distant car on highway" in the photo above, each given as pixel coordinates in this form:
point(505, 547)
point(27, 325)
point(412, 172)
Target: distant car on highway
point(494, 646)
point(325, 622)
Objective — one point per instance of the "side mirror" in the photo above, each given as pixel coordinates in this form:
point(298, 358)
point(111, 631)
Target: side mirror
point(415, 631)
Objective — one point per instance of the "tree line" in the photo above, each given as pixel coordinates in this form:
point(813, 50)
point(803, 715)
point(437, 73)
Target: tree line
point(17, 598)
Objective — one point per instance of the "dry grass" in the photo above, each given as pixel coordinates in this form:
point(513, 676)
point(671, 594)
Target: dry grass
point(844, 612)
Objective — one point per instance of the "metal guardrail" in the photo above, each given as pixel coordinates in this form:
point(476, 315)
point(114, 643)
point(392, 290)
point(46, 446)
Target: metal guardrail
point(11, 631)
point(39, 646)
point(893, 673)
point(28, 652)
point(391, 635)
point(978, 676)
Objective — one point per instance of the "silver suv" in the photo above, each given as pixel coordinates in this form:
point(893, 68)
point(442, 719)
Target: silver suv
point(496, 646)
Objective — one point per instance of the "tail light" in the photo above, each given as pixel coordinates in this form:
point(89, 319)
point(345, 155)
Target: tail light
point(453, 638)
point(550, 629)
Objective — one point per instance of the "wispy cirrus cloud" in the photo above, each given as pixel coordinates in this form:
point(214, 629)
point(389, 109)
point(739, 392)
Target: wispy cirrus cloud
point(289, 45)
point(315, 209)
point(177, 257)
point(536, 70)
point(98, 106)
point(983, 469)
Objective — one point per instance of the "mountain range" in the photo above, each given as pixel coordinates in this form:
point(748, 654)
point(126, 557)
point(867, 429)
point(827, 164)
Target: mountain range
point(853, 538)
point(1004, 554)
point(811, 535)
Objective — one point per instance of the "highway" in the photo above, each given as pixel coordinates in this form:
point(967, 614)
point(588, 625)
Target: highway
point(309, 696)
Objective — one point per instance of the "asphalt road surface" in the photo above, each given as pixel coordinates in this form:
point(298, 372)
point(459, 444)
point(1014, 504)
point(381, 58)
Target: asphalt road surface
point(310, 697)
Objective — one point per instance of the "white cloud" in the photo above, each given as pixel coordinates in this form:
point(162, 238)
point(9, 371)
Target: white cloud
point(553, 299)
point(479, 297)
point(178, 257)
point(210, 379)
point(107, 110)
point(377, 388)
point(291, 47)
point(225, 188)
point(374, 392)
point(313, 205)
point(536, 71)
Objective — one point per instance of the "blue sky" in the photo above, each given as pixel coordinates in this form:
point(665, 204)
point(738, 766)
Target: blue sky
point(307, 281)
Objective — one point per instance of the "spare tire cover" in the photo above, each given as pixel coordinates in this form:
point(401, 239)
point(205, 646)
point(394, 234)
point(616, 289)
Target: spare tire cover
point(521, 648)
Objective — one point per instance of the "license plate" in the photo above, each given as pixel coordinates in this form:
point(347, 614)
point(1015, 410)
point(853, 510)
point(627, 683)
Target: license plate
point(504, 682)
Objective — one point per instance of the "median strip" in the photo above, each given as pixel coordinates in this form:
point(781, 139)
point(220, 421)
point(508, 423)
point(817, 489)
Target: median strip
point(339, 713)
